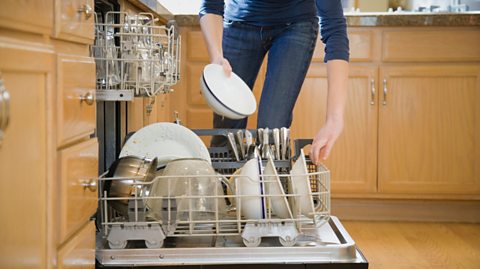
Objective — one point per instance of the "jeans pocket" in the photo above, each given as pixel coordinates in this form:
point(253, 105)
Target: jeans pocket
point(228, 23)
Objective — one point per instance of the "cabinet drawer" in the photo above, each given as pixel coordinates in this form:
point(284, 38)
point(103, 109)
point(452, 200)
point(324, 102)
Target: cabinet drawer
point(74, 20)
point(28, 15)
point(362, 46)
point(76, 105)
point(431, 45)
point(78, 164)
point(79, 252)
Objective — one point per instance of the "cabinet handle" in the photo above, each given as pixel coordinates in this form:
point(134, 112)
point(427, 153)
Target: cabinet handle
point(87, 10)
point(4, 109)
point(372, 95)
point(90, 185)
point(385, 90)
point(87, 98)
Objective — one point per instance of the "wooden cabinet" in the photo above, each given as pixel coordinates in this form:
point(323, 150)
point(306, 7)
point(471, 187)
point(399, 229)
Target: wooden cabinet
point(78, 166)
point(27, 75)
point(424, 143)
point(34, 16)
point(79, 253)
point(353, 162)
point(76, 98)
point(429, 130)
point(46, 153)
point(74, 20)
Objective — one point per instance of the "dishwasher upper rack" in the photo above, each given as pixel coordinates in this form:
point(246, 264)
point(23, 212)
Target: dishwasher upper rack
point(136, 222)
point(134, 56)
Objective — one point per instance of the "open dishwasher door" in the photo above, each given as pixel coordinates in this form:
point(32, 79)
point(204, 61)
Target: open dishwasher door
point(336, 250)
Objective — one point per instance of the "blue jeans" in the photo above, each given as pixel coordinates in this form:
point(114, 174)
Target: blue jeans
point(290, 48)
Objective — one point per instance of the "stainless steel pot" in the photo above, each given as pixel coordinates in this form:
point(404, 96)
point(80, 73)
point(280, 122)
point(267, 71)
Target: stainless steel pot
point(130, 166)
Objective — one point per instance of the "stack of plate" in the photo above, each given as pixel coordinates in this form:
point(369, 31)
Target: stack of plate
point(227, 96)
point(166, 142)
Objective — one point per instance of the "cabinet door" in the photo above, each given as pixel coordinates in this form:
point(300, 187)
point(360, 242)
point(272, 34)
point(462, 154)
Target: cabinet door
point(27, 15)
point(429, 130)
point(76, 104)
point(353, 159)
point(78, 166)
point(27, 76)
point(74, 20)
point(79, 252)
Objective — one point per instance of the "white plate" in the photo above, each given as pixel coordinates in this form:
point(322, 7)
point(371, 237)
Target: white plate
point(273, 186)
point(215, 105)
point(166, 141)
point(249, 183)
point(231, 91)
point(300, 185)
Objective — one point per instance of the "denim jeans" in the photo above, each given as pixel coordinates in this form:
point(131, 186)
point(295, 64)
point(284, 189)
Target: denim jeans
point(290, 48)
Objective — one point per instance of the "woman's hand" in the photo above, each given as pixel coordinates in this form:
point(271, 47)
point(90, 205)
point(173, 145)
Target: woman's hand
point(212, 29)
point(325, 139)
point(225, 64)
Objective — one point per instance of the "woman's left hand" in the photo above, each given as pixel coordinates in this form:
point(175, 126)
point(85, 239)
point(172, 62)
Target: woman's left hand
point(325, 139)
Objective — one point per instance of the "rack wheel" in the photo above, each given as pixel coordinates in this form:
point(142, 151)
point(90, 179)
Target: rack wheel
point(154, 243)
point(117, 244)
point(287, 242)
point(253, 242)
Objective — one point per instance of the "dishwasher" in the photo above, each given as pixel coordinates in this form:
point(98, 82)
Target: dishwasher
point(313, 239)
point(136, 58)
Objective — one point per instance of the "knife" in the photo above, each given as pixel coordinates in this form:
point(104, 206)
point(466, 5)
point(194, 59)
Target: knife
point(233, 146)
point(260, 140)
point(276, 141)
point(266, 135)
point(241, 144)
point(283, 143)
point(248, 139)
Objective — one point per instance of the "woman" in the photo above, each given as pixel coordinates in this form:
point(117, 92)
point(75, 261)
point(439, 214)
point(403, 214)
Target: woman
point(287, 30)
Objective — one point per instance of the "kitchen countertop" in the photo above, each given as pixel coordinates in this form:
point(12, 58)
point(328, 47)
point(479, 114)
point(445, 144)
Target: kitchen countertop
point(365, 19)
point(358, 19)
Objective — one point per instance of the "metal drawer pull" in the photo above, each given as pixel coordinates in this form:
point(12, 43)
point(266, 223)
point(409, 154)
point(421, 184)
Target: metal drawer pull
point(90, 185)
point(86, 10)
point(4, 109)
point(372, 88)
point(87, 98)
point(385, 92)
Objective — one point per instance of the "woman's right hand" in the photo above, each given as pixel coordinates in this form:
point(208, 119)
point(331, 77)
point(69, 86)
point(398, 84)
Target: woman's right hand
point(225, 64)
point(212, 29)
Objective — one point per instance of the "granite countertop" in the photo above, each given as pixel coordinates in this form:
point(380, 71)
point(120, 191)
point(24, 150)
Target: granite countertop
point(365, 19)
point(359, 19)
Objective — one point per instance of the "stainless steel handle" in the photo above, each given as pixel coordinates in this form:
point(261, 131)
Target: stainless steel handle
point(241, 147)
point(276, 141)
point(87, 10)
point(372, 94)
point(90, 185)
point(4, 109)
point(87, 98)
point(233, 145)
point(385, 90)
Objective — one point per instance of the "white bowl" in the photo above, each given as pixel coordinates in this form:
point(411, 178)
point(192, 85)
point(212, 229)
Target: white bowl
point(231, 92)
point(217, 106)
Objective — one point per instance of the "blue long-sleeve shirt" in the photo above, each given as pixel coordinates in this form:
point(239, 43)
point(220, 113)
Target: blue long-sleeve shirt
point(333, 28)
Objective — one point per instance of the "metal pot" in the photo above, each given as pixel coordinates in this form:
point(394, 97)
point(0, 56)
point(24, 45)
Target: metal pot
point(130, 166)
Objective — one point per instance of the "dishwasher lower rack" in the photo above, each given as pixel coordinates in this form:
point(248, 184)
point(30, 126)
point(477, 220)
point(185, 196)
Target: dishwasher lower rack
point(323, 247)
point(172, 206)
